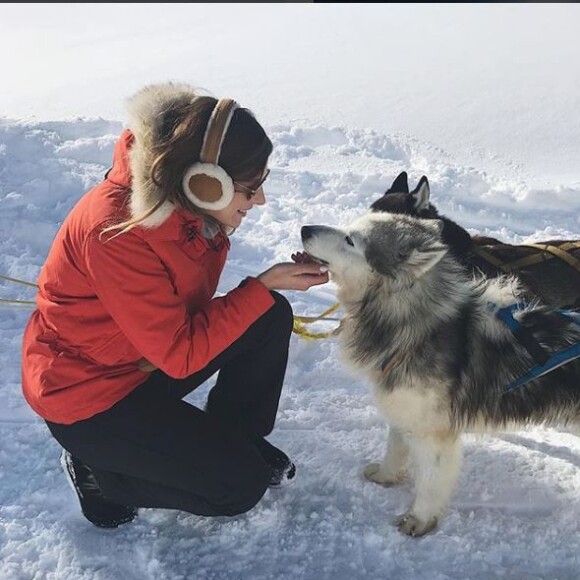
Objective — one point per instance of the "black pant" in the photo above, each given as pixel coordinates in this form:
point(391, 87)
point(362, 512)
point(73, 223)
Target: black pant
point(152, 449)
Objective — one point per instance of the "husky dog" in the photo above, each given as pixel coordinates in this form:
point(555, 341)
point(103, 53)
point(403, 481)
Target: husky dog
point(427, 335)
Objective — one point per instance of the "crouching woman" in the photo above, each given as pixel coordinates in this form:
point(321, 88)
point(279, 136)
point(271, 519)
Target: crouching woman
point(127, 322)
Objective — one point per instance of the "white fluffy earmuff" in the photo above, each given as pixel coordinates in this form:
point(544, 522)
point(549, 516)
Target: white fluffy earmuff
point(205, 183)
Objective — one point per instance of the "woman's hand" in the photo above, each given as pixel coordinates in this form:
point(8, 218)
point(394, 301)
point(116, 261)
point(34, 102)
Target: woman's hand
point(289, 276)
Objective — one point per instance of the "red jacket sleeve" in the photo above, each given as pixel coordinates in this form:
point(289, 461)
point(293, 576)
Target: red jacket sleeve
point(133, 286)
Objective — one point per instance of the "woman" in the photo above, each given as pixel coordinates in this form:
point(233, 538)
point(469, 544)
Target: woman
point(127, 323)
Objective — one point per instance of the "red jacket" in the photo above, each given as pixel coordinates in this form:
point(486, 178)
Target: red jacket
point(146, 293)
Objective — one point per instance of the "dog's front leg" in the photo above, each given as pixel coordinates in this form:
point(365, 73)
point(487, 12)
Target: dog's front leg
point(391, 470)
point(437, 461)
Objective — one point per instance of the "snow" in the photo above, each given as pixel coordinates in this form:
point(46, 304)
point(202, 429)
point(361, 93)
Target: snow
point(482, 99)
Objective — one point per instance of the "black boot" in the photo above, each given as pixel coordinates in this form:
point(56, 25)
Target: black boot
point(95, 507)
point(283, 470)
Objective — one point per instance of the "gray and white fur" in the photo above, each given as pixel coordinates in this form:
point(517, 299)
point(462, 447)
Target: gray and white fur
point(413, 310)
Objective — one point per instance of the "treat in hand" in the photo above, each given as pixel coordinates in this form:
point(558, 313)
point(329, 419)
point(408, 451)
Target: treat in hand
point(302, 258)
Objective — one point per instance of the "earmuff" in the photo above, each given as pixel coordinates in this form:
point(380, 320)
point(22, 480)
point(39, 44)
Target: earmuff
point(205, 183)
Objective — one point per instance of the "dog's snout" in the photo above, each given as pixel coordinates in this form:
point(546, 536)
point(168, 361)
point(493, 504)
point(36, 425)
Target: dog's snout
point(307, 232)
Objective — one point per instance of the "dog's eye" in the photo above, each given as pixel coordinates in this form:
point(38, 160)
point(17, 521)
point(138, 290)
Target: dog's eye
point(402, 255)
point(349, 241)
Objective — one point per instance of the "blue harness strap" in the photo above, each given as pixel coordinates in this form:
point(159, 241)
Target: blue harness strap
point(545, 362)
point(523, 335)
point(558, 359)
point(506, 314)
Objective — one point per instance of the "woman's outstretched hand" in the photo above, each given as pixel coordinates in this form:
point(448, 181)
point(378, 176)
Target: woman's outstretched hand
point(294, 276)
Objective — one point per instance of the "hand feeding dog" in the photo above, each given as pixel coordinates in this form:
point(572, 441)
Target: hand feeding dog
point(427, 335)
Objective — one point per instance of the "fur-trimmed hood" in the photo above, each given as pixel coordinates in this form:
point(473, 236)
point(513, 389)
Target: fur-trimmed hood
point(145, 110)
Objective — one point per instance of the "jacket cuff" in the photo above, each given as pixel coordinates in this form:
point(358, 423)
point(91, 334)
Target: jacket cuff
point(259, 292)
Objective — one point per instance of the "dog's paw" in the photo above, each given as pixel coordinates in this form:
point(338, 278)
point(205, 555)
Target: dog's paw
point(413, 526)
point(373, 473)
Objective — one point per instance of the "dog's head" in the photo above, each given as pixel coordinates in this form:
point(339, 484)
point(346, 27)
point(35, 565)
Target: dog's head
point(391, 246)
point(398, 199)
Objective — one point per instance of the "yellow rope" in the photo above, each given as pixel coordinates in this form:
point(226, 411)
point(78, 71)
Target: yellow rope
point(11, 300)
point(300, 321)
point(18, 281)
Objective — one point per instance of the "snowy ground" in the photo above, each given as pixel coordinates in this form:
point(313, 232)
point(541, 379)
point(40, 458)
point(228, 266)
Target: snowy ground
point(515, 512)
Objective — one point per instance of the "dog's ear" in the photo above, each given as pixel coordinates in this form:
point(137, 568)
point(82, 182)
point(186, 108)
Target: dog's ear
point(400, 185)
point(421, 261)
point(396, 198)
point(421, 194)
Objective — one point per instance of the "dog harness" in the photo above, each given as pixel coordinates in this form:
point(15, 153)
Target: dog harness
point(546, 362)
point(544, 252)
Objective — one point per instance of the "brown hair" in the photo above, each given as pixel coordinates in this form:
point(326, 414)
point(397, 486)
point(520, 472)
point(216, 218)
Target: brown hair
point(179, 136)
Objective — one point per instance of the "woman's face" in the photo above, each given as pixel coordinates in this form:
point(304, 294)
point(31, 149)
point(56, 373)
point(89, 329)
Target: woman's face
point(246, 196)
